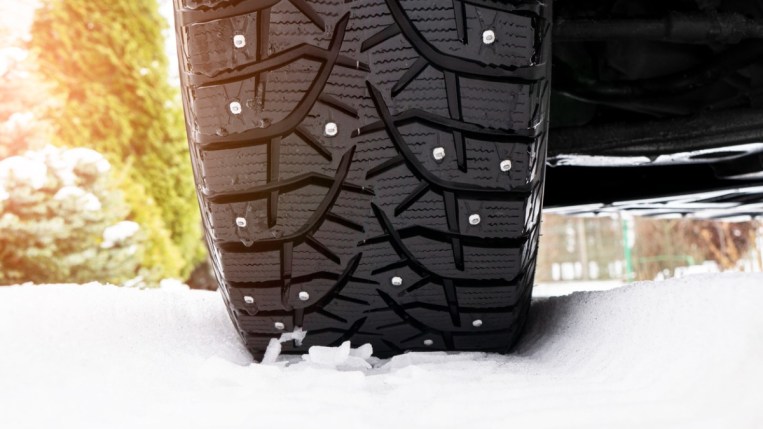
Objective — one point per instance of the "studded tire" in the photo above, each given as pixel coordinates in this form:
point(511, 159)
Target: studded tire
point(370, 170)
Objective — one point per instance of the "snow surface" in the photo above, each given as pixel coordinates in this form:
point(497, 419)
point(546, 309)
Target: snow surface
point(546, 290)
point(678, 353)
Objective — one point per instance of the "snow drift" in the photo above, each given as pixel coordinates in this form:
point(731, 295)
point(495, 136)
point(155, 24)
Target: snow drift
point(680, 353)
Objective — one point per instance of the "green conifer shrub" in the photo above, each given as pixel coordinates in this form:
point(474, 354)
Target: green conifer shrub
point(109, 70)
point(62, 221)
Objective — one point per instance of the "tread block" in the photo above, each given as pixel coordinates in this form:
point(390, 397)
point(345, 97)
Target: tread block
point(496, 342)
point(223, 218)
point(212, 109)
point(213, 44)
point(244, 267)
point(212, 104)
point(475, 296)
point(235, 170)
point(480, 263)
point(265, 324)
point(497, 218)
point(497, 105)
point(514, 33)
point(198, 4)
point(440, 321)
point(483, 158)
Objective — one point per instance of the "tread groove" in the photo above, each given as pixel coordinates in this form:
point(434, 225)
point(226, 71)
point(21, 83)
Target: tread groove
point(287, 260)
point(460, 15)
point(384, 166)
point(451, 215)
point(411, 198)
point(274, 151)
point(386, 33)
point(410, 75)
point(302, 132)
point(309, 12)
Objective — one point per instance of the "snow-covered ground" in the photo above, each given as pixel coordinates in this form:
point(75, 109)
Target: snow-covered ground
point(680, 353)
point(546, 290)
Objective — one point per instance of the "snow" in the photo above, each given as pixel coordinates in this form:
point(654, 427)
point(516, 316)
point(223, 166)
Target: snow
point(545, 290)
point(678, 353)
point(33, 170)
point(21, 169)
point(86, 158)
point(118, 233)
point(78, 196)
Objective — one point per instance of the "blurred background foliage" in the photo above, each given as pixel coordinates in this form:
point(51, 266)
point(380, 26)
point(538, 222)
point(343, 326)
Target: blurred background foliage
point(62, 221)
point(108, 69)
point(23, 96)
point(95, 75)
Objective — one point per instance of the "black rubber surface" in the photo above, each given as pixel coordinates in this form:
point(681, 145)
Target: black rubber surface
point(339, 217)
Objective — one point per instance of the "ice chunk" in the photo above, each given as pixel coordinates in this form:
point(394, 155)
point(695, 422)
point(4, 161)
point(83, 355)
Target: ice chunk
point(342, 357)
point(274, 346)
point(364, 352)
point(298, 335)
point(329, 356)
point(354, 363)
point(272, 352)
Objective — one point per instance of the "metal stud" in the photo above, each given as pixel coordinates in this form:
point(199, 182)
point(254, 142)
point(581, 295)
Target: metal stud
point(474, 219)
point(248, 299)
point(241, 222)
point(477, 323)
point(505, 165)
point(235, 107)
point(280, 326)
point(304, 296)
point(239, 41)
point(331, 129)
point(428, 342)
point(396, 281)
point(488, 37)
point(438, 153)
